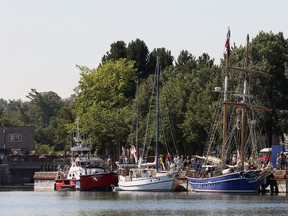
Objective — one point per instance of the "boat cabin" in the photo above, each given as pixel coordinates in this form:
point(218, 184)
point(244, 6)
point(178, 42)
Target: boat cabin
point(137, 173)
point(264, 153)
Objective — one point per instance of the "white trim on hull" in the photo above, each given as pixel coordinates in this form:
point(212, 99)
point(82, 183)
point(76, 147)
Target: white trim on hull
point(227, 191)
point(226, 180)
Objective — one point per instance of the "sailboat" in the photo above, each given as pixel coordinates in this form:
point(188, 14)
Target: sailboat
point(218, 176)
point(147, 177)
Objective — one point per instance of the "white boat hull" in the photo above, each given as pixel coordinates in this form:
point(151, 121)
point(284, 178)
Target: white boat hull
point(161, 182)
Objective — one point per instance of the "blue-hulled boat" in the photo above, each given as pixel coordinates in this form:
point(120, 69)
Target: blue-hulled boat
point(238, 182)
point(240, 178)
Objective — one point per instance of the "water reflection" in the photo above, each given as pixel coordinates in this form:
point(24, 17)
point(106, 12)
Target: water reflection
point(139, 203)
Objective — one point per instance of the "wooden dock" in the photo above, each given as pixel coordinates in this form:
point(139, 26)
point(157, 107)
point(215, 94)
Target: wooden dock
point(281, 178)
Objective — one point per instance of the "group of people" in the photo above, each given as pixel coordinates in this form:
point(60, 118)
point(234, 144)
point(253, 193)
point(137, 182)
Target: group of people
point(282, 161)
point(251, 163)
point(169, 162)
point(176, 162)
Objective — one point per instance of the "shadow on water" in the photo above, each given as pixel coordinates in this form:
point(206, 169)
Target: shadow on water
point(17, 188)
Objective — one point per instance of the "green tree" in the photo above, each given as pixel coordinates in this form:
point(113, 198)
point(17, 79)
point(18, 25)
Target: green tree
point(103, 103)
point(3, 105)
point(186, 61)
point(268, 52)
point(138, 52)
point(64, 125)
point(43, 106)
point(118, 50)
point(11, 112)
point(165, 56)
point(195, 100)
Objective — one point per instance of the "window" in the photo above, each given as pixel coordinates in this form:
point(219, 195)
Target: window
point(15, 138)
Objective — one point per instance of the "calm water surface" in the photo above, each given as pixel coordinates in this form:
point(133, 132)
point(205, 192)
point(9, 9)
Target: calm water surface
point(138, 203)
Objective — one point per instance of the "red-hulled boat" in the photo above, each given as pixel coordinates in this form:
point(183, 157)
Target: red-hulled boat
point(86, 172)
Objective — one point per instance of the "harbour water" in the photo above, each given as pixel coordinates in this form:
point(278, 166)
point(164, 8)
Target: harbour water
point(76, 203)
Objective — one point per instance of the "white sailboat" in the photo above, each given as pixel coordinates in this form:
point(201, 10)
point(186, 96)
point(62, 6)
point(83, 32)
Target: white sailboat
point(147, 177)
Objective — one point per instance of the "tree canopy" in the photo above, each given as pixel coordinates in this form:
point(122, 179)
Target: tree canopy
point(105, 101)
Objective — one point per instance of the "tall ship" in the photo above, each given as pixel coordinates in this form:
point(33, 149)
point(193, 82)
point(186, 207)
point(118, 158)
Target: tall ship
point(216, 174)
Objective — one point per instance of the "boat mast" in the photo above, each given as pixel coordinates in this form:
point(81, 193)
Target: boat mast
point(157, 109)
point(227, 45)
point(78, 136)
point(244, 108)
point(137, 121)
point(242, 105)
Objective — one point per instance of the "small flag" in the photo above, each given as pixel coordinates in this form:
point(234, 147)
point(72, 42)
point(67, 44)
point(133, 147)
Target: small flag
point(134, 153)
point(227, 43)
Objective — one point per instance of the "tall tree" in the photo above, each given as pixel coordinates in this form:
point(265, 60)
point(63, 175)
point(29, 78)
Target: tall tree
point(187, 102)
point(118, 50)
point(268, 52)
point(11, 112)
point(3, 105)
point(64, 126)
point(165, 56)
point(43, 106)
point(186, 59)
point(102, 104)
point(138, 51)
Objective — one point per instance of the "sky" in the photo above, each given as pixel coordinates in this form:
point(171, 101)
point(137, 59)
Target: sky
point(42, 41)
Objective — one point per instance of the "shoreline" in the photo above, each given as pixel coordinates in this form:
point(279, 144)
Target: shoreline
point(25, 187)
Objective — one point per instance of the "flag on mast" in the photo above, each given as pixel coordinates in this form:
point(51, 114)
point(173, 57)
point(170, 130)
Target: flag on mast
point(134, 153)
point(227, 43)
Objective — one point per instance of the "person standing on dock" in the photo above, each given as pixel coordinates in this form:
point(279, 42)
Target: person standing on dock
point(109, 162)
point(278, 161)
point(283, 161)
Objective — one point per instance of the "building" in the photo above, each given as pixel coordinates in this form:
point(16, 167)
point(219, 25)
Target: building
point(16, 143)
point(16, 140)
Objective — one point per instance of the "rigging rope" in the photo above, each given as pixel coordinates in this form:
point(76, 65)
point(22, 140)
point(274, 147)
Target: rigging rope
point(145, 151)
point(171, 131)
